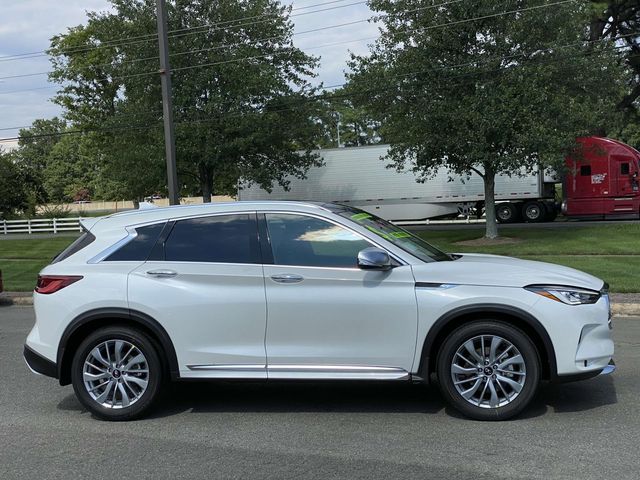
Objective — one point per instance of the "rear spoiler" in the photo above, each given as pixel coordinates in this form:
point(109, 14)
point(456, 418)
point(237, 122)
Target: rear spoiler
point(88, 223)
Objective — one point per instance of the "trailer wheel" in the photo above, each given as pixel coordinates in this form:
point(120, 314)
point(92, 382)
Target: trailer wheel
point(507, 213)
point(534, 212)
point(552, 212)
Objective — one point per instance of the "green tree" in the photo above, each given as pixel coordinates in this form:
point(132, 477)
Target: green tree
point(355, 126)
point(470, 87)
point(243, 104)
point(34, 149)
point(72, 166)
point(13, 194)
point(619, 20)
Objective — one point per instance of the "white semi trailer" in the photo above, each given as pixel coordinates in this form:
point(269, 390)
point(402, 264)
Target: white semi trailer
point(359, 177)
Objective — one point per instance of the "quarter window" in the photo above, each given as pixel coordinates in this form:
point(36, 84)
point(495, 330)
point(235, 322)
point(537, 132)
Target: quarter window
point(308, 241)
point(220, 238)
point(139, 248)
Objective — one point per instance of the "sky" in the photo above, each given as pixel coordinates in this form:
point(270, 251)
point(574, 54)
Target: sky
point(26, 26)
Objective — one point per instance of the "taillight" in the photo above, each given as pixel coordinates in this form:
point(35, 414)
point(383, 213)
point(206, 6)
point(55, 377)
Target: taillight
point(52, 283)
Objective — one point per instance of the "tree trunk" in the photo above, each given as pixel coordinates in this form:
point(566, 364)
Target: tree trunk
point(490, 201)
point(206, 192)
point(206, 182)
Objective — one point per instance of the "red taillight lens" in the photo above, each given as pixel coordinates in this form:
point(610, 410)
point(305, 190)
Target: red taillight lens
point(52, 283)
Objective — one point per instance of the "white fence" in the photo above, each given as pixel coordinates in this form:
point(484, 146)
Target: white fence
point(40, 225)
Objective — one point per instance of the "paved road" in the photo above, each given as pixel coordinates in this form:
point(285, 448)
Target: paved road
point(587, 430)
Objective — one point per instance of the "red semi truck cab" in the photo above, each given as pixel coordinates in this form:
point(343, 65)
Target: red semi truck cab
point(602, 180)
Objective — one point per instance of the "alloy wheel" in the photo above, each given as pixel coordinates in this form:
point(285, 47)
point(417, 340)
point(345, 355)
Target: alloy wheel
point(488, 371)
point(115, 374)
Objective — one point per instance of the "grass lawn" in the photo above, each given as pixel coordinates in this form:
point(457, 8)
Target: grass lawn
point(21, 260)
point(611, 252)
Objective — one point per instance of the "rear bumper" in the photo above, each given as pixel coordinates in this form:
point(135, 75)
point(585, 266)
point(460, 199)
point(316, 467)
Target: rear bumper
point(39, 364)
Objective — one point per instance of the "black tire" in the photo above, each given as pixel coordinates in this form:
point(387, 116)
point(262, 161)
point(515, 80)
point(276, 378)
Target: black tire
point(534, 212)
point(507, 213)
point(552, 212)
point(510, 334)
point(154, 377)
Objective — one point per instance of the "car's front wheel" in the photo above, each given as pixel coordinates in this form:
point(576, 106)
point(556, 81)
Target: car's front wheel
point(488, 370)
point(116, 373)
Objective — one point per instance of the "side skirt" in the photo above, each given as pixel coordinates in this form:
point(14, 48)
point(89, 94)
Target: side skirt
point(297, 372)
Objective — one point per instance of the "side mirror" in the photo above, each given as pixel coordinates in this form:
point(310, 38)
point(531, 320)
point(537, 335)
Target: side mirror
point(374, 258)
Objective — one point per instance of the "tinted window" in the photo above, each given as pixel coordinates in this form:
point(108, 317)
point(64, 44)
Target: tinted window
point(624, 168)
point(222, 238)
point(139, 248)
point(82, 241)
point(308, 241)
point(585, 170)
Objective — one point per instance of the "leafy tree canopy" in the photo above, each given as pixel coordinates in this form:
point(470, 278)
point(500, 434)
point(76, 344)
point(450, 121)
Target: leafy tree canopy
point(471, 87)
point(243, 104)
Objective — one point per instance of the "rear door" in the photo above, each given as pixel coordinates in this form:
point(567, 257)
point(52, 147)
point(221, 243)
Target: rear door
point(204, 284)
point(326, 317)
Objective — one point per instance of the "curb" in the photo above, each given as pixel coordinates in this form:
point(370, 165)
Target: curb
point(26, 299)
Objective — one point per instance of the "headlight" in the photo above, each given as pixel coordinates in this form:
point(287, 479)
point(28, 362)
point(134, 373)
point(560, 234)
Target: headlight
point(568, 295)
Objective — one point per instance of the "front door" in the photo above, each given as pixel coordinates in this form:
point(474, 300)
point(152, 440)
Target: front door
point(326, 317)
point(206, 288)
point(624, 197)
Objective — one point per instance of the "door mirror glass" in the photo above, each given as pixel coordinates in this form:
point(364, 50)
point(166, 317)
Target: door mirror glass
point(374, 258)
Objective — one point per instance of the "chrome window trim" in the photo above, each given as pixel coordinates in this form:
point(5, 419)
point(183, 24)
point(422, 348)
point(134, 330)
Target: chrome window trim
point(339, 224)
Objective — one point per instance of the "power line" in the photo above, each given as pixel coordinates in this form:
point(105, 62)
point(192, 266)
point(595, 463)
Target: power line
point(314, 98)
point(472, 63)
point(152, 37)
point(428, 27)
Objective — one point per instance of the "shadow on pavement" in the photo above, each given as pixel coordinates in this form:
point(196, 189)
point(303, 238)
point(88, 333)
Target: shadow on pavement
point(323, 397)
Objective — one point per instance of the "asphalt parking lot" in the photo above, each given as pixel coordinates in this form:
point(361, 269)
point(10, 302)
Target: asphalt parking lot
point(586, 430)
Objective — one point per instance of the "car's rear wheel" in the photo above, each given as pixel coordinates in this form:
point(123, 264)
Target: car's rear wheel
point(488, 370)
point(116, 373)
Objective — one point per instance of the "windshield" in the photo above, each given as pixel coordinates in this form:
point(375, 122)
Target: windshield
point(392, 233)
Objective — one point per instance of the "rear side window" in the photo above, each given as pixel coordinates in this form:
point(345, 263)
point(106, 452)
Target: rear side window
point(82, 241)
point(219, 239)
point(139, 248)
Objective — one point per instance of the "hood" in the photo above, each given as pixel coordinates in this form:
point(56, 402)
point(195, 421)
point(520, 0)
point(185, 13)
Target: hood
point(494, 270)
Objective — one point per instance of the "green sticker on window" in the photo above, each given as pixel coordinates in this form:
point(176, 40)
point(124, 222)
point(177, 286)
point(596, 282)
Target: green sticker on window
point(400, 234)
point(360, 216)
point(379, 232)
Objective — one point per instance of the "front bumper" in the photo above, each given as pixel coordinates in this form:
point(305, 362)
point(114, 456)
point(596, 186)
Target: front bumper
point(575, 377)
point(39, 364)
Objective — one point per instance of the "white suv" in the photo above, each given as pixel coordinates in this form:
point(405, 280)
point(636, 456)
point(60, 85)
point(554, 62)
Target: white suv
point(304, 291)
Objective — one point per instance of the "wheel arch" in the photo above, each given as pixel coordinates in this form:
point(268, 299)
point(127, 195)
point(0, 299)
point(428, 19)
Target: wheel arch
point(457, 317)
point(87, 322)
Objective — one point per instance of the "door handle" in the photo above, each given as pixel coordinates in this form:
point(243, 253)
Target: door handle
point(162, 273)
point(287, 278)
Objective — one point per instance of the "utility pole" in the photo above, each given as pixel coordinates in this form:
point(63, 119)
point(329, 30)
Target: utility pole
point(167, 104)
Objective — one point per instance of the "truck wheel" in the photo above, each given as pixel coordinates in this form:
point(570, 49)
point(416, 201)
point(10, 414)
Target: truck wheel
point(552, 213)
point(488, 370)
point(507, 213)
point(534, 212)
